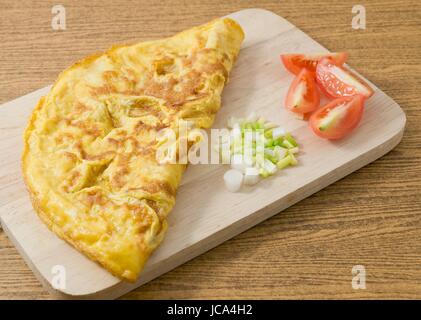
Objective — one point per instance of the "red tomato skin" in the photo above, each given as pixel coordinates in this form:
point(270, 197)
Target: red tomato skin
point(294, 63)
point(332, 87)
point(346, 125)
point(311, 99)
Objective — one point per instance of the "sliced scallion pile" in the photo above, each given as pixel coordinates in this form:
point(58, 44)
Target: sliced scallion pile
point(258, 149)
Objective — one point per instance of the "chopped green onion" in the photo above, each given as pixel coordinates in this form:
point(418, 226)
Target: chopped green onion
point(294, 150)
point(259, 148)
point(278, 133)
point(280, 152)
point(283, 163)
point(287, 144)
point(293, 160)
point(251, 176)
point(268, 134)
point(278, 142)
point(269, 152)
point(263, 173)
point(291, 140)
point(271, 158)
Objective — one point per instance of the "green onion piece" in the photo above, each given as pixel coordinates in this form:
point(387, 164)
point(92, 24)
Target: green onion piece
point(287, 144)
point(294, 150)
point(278, 152)
point(293, 159)
point(278, 142)
point(259, 126)
point(271, 158)
point(269, 142)
point(283, 163)
point(291, 140)
point(264, 173)
point(268, 134)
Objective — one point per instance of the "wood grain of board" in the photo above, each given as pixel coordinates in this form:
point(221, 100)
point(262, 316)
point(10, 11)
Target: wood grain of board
point(369, 218)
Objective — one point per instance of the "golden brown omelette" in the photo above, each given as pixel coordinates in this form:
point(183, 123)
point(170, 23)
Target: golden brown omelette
point(89, 149)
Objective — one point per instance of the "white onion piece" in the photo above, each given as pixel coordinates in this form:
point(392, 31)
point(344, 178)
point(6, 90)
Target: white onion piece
point(240, 162)
point(269, 166)
point(278, 132)
point(233, 180)
point(280, 152)
point(270, 152)
point(251, 176)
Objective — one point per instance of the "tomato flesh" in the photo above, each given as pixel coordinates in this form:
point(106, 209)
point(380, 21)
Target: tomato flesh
point(338, 118)
point(336, 81)
point(303, 96)
point(294, 63)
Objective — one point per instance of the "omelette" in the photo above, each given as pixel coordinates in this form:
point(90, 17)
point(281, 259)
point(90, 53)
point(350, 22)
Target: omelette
point(89, 158)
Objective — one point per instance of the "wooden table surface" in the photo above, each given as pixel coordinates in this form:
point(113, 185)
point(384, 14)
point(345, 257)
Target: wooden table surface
point(370, 218)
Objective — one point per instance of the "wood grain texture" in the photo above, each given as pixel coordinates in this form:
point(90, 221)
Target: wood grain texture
point(370, 218)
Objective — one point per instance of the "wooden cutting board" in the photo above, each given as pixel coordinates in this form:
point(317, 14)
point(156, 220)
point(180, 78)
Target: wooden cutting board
point(205, 214)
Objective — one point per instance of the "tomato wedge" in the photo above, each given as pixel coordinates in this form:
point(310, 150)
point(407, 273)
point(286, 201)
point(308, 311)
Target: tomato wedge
point(338, 118)
point(295, 62)
point(303, 96)
point(337, 81)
